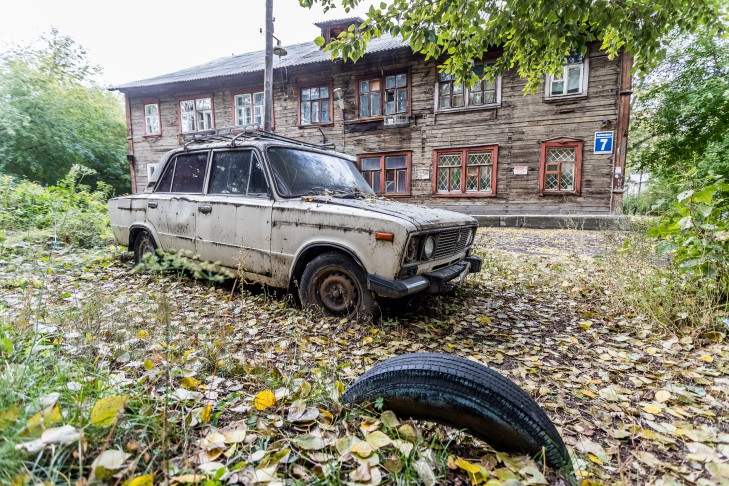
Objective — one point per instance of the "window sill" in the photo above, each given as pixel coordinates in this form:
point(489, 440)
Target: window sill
point(441, 111)
point(560, 193)
point(554, 98)
point(156, 135)
point(464, 194)
point(316, 125)
point(378, 118)
point(398, 195)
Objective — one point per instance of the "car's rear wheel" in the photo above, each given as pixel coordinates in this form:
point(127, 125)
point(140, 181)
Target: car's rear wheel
point(336, 286)
point(143, 245)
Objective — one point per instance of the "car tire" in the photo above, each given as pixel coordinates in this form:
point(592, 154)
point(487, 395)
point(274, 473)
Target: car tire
point(143, 244)
point(461, 393)
point(334, 285)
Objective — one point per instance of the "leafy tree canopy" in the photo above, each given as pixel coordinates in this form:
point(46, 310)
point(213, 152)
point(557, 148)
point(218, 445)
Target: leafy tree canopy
point(683, 111)
point(54, 116)
point(535, 35)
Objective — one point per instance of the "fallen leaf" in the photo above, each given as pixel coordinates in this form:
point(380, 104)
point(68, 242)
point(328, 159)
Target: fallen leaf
point(264, 400)
point(105, 411)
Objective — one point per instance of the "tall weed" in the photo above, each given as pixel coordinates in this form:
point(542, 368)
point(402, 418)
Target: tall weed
point(69, 212)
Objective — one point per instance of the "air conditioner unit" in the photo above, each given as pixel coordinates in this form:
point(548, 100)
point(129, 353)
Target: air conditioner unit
point(397, 121)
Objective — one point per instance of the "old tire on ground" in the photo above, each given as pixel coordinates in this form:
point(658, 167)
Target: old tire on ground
point(336, 286)
point(143, 244)
point(463, 394)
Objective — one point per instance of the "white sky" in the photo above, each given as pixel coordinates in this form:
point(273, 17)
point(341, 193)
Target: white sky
point(138, 39)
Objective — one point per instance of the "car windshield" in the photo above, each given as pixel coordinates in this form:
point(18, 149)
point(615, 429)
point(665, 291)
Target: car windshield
point(301, 173)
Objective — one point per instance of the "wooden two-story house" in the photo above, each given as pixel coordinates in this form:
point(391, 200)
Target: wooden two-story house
point(416, 134)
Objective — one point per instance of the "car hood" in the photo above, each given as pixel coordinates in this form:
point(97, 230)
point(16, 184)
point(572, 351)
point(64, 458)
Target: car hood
point(422, 217)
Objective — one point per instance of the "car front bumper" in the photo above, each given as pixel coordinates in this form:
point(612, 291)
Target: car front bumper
point(434, 282)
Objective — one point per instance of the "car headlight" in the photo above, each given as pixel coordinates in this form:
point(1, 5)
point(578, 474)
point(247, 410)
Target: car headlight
point(428, 247)
point(411, 252)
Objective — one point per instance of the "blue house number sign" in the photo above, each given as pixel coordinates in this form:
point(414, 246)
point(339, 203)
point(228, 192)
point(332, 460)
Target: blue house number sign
point(604, 142)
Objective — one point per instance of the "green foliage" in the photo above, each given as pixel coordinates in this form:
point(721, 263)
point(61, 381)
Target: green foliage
point(694, 230)
point(69, 212)
point(682, 115)
point(53, 116)
point(535, 36)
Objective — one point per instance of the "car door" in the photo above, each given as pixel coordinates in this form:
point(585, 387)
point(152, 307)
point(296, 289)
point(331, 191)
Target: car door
point(173, 207)
point(235, 228)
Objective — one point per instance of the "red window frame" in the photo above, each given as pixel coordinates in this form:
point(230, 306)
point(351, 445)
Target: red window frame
point(367, 174)
point(463, 154)
point(382, 78)
point(330, 109)
point(145, 103)
point(562, 142)
point(194, 99)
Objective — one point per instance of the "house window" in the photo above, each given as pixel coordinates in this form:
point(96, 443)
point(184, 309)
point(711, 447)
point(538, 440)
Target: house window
point(560, 166)
point(571, 80)
point(248, 109)
point(315, 103)
point(151, 119)
point(387, 174)
point(466, 172)
point(196, 114)
point(388, 95)
point(454, 95)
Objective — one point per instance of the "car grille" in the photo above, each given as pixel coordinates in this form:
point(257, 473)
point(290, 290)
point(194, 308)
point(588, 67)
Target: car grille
point(450, 242)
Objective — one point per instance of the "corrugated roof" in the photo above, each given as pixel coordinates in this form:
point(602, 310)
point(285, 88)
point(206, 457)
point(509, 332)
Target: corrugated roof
point(298, 54)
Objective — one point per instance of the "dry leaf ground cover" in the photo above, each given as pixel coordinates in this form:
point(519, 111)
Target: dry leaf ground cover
point(146, 378)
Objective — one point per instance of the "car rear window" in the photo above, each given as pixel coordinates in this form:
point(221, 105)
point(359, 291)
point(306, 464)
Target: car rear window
point(185, 174)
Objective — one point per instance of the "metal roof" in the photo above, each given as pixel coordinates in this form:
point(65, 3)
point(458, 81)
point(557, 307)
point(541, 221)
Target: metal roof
point(250, 62)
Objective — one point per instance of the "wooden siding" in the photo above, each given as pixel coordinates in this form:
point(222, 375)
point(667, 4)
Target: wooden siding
point(517, 126)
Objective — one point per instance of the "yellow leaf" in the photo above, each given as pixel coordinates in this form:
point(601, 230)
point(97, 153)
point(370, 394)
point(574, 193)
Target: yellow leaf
point(652, 409)
point(105, 410)
point(190, 383)
point(8, 416)
point(377, 439)
point(485, 319)
point(707, 358)
point(205, 414)
point(339, 386)
point(367, 340)
point(588, 393)
point(362, 449)
point(143, 334)
point(467, 466)
point(187, 478)
point(148, 365)
point(264, 400)
point(595, 459)
point(585, 325)
point(48, 416)
point(146, 480)
point(663, 396)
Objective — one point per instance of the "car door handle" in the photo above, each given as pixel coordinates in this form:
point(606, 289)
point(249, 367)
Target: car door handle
point(205, 209)
point(152, 204)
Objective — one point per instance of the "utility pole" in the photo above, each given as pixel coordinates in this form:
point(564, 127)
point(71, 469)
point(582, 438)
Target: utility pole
point(268, 70)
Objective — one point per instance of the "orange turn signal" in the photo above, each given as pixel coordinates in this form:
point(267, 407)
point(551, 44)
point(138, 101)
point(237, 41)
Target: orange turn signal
point(384, 236)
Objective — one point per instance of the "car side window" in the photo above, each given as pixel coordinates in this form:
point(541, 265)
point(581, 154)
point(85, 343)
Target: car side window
point(238, 172)
point(186, 173)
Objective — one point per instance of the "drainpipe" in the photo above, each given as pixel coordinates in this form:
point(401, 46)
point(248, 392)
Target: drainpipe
point(621, 142)
point(130, 143)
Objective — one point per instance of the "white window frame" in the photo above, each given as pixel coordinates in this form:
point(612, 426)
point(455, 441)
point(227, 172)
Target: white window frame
point(150, 118)
point(584, 67)
point(467, 95)
point(254, 108)
point(202, 119)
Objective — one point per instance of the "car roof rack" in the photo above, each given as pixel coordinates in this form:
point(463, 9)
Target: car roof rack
point(232, 134)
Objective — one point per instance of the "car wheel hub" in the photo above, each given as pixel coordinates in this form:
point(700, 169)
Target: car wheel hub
point(337, 292)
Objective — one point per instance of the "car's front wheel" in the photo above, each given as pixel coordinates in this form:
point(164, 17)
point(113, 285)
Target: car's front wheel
point(143, 245)
point(336, 286)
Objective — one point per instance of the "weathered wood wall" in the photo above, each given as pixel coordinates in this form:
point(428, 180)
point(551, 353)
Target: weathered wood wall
point(517, 126)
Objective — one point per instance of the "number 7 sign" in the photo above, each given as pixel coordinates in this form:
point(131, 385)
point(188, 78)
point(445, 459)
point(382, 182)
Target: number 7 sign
point(604, 142)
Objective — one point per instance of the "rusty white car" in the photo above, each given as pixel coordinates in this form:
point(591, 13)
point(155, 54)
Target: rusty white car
point(294, 215)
